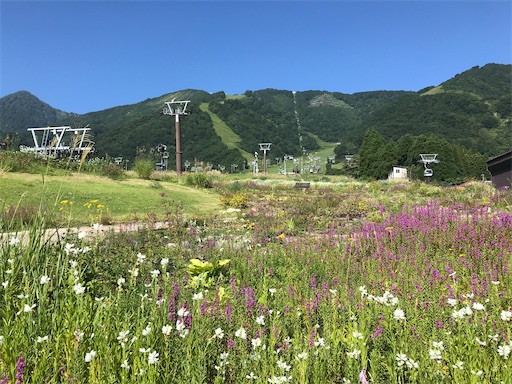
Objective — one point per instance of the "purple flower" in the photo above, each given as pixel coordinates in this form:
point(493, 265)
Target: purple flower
point(20, 367)
point(377, 333)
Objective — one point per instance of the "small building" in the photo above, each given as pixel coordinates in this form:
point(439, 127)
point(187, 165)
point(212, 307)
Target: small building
point(500, 168)
point(398, 174)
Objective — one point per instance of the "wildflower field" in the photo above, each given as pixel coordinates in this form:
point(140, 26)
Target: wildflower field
point(363, 283)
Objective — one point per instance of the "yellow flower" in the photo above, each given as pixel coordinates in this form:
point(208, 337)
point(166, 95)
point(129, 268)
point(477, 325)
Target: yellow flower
point(100, 206)
point(389, 229)
point(64, 202)
point(280, 236)
point(94, 201)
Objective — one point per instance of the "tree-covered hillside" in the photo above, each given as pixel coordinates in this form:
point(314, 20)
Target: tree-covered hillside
point(472, 110)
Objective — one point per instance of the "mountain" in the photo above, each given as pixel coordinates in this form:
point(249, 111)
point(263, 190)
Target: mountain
point(22, 110)
point(473, 109)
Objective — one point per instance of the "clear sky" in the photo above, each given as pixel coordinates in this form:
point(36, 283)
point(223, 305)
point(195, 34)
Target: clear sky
point(84, 56)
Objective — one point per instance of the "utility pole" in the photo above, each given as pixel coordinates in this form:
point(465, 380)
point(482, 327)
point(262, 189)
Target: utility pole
point(265, 147)
point(177, 108)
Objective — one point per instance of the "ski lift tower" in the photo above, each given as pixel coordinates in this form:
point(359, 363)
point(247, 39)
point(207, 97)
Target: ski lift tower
point(265, 147)
point(427, 159)
point(177, 108)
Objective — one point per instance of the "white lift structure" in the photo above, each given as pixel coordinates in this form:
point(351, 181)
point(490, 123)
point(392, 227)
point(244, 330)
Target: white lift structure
point(60, 142)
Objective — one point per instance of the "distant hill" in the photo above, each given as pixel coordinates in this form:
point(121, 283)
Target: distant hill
point(22, 110)
point(472, 109)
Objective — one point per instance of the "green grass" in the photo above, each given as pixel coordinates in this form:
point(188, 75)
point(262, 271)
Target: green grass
point(125, 200)
point(230, 138)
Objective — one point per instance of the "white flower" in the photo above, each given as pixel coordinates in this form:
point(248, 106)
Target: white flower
point(133, 272)
point(166, 330)
point(452, 302)
point(357, 335)
point(256, 343)
point(467, 311)
point(164, 262)
point(198, 296)
point(401, 359)
point(411, 363)
point(79, 289)
point(140, 258)
point(458, 365)
point(399, 314)
point(272, 291)
point(8, 272)
point(438, 345)
point(354, 354)
point(219, 333)
point(301, 356)
point(363, 290)
point(477, 373)
point(121, 281)
point(82, 235)
point(155, 273)
point(146, 331)
point(125, 365)
point(5, 284)
point(241, 333)
point(123, 336)
point(478, 307)
point(41, 339)
point(457, 314)
point(153, 357)
point(44, 280)
point(282, 365)
point(144, 350)
point(494, 337)
point(251, 376)
point(482, 343)
point(96, 226)
point(180, 325)
point(504, 351)
point(505, 315)
point(28, 308)
point(334, 292)
point(435, 354)
point(14, 241)
point(89, 356)
point(320, 342)
point(182, 312)
point(260, 320)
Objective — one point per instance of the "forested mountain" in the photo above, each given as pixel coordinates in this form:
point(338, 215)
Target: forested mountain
point(473, 110)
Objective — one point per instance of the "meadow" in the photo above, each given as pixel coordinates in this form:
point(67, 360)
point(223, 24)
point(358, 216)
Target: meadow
point(345, 282)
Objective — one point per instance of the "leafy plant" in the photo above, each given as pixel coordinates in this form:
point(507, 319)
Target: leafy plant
point(204, 274)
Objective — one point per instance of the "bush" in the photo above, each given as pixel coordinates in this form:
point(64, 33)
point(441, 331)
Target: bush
point(199, 179)
point(144, 168)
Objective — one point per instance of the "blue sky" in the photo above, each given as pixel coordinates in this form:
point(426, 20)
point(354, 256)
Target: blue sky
point(84, 56)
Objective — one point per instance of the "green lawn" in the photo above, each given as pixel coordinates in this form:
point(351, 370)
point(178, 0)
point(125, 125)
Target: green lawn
point(125, 200)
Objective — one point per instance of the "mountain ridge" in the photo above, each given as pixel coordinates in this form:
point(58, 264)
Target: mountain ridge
point(471, 109)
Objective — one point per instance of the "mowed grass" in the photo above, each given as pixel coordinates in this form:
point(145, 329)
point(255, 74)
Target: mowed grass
point(230, 138)
point(125, 200)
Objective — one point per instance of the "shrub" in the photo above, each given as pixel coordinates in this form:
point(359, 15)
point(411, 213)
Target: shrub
point(199, 179)
point(144, 168)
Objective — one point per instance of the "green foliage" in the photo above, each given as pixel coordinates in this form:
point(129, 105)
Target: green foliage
point(144, 167)
point(472, 110)
point(199, 179)
point(237, 200)
point(205, 274)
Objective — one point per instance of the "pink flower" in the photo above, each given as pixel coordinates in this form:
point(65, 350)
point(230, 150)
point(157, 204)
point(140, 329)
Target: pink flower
point(362, 377)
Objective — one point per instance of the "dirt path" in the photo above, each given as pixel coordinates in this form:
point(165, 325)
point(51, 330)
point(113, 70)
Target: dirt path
point(55, 234)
